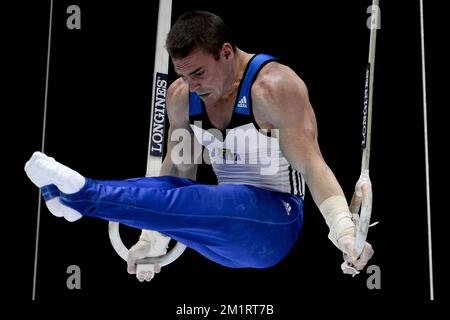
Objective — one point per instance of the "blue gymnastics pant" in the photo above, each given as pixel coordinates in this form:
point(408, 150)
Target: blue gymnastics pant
point(236, 226)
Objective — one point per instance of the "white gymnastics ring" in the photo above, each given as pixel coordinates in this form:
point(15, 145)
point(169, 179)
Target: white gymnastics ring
point(361, 209)
point(122, 251)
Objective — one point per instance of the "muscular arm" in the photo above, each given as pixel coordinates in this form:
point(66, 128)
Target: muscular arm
point(282, 100)
point(152, 243)
point(284, 103)
point(177, 110)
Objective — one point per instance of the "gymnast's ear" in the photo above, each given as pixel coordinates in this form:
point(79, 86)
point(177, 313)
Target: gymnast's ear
point(227, 51)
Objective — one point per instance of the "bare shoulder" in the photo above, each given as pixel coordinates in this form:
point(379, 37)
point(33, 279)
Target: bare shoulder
point(178, 103)
point(278, 81)
point(279, 95)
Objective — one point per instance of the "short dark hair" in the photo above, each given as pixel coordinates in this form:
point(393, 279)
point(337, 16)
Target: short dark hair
point(198, 30)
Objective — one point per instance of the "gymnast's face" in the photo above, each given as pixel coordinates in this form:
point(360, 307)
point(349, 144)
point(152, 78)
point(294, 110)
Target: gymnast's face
point(205, 75)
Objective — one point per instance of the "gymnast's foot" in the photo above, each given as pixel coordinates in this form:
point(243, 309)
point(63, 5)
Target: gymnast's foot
point(43, 170)
point(46, 171)
point(60, 210)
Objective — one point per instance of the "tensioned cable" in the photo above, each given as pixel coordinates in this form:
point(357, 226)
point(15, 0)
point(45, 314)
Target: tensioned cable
point(427, 174)
point(44, 124)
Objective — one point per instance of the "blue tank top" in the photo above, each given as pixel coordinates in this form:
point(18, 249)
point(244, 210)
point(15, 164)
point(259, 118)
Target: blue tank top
point(243, 153)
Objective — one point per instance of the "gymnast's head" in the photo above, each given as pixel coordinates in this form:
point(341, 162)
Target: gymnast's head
point(198, 30)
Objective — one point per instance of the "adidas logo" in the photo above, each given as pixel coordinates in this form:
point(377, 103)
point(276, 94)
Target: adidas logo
point(287, 206)
point(242, 103)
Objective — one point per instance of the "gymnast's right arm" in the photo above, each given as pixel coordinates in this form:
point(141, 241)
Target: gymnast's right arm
point(152, 243)
point(180, 134)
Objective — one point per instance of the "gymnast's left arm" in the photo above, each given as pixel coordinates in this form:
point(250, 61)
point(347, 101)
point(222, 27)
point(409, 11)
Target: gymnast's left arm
point(281, 97)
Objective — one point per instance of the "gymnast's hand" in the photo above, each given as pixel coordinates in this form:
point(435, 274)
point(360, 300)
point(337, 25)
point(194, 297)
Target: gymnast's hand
point(151, 244)
point(354, 264)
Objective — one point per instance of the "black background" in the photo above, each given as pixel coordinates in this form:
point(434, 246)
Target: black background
point(99, 96)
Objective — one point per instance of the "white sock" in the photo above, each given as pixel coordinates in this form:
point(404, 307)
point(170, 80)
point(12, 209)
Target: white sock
point(43, 170)
point(58, 209)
